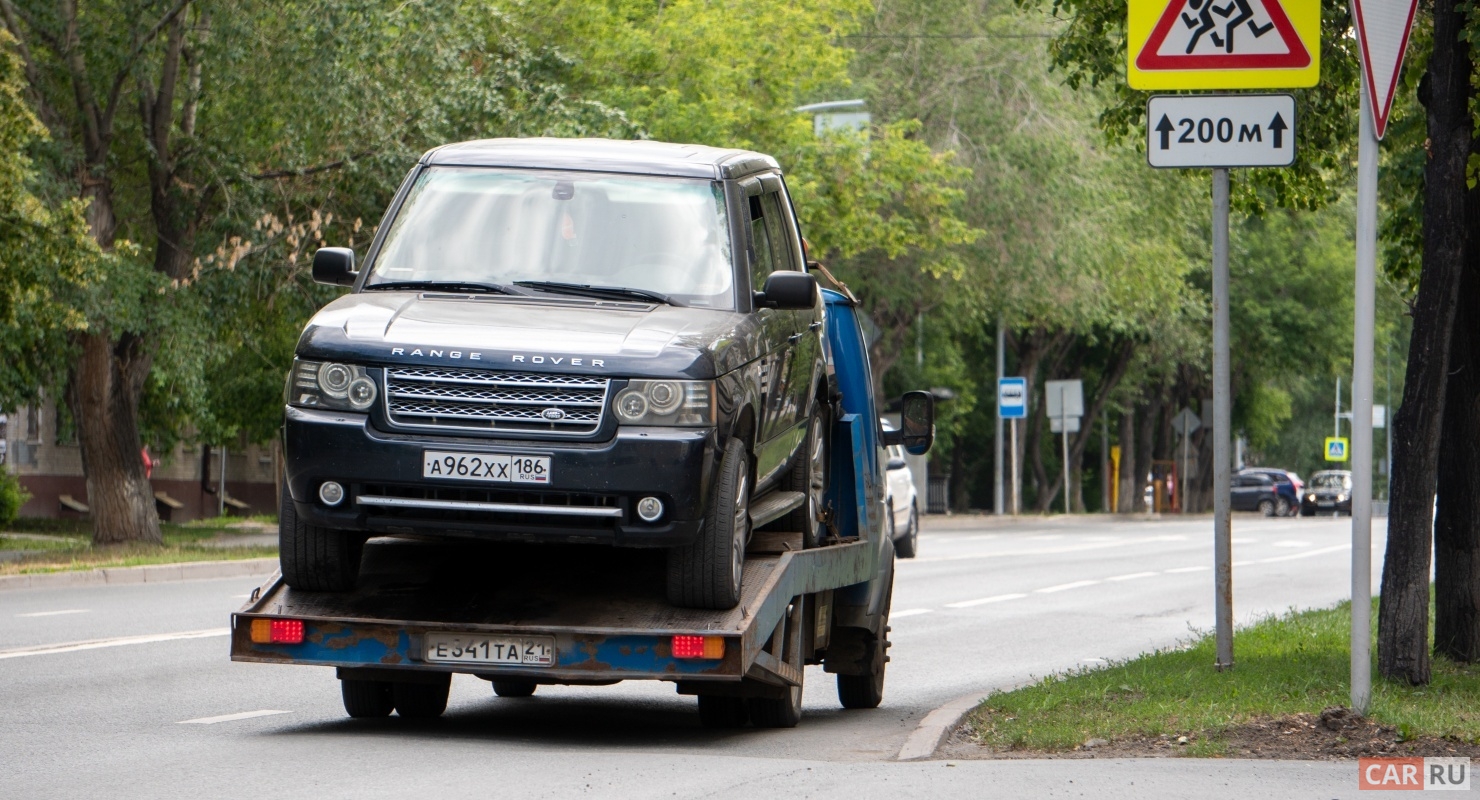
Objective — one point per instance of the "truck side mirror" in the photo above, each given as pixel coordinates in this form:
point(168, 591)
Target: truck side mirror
point(916, 424)
point(334, 266)
point(788, 291)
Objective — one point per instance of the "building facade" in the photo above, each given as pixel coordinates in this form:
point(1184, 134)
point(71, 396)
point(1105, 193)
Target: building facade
point(38, 446)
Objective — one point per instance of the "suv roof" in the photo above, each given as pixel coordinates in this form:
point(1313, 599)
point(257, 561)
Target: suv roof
point(604, 155)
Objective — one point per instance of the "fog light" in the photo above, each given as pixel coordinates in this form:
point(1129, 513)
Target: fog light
point(331, 493)
point(649, 508)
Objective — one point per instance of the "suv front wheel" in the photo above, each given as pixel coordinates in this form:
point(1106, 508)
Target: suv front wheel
point(706, 572)
point(314, 558)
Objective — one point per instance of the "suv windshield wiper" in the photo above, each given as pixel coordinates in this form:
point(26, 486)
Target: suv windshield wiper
point(588, 290)
point(447, 286)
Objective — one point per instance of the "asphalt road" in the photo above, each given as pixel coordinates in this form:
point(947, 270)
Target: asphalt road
point(155, 709)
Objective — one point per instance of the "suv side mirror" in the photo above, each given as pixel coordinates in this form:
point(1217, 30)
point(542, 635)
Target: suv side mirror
point(916, 424)
point(334, 266)
point(788, 291)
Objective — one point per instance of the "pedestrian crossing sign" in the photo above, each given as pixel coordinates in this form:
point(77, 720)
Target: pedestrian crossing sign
point(1336, 448)
point(1224, 44)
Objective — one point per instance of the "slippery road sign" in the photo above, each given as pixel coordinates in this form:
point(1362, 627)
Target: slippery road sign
point(1224, 44)
point(1220, 130)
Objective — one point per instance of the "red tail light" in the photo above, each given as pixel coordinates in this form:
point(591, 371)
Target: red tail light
point(277, 631)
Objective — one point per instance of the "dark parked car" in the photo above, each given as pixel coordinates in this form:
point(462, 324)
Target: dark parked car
point(572, 341)
point(1328, 491)
point(1271, 492)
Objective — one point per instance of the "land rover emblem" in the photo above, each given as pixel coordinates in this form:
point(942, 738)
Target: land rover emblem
point(553, 414)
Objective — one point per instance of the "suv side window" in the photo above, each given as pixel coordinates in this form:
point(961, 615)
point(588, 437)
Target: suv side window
point(761, 264)
point(776, 228)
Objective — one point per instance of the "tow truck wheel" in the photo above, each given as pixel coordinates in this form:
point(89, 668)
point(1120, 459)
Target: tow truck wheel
point(808, 474)
point(706, 573)
point(722, 712)
point(422, 700)
point(314, 558)
point(867, 691)
point(514, 688)
point(367, 698)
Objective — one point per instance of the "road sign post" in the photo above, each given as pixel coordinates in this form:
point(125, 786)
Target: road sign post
point(1382, 38)
point(1065, 406)
point(1222, 425)
point(997, 504)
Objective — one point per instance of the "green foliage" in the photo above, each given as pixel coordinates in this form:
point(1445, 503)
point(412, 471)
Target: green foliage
point(47, 260)
point(12, 497)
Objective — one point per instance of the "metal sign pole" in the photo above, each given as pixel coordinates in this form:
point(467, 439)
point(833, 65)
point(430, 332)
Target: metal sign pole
point(1017, 484)
point(1064, 430)
point(1222, 424)
point(997, 462)
point(1361, 449)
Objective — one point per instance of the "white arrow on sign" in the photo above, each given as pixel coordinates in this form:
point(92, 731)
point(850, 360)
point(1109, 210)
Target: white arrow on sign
point(1220, 130)
point(1382, 30)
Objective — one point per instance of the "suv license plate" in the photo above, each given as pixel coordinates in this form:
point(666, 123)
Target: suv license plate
point(485, 467)
point(512, 651)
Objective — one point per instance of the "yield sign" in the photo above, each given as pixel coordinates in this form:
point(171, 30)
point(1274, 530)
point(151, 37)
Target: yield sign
point(1382, 29)
point(1223, 44)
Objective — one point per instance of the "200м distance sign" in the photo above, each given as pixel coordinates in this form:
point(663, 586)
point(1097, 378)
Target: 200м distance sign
point(1220, 130)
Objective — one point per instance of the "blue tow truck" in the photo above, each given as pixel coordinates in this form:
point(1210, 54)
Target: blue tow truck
point(524, 614)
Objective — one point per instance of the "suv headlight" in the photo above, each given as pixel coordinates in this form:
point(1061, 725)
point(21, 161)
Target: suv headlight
point(677, 403)
point(326, 384)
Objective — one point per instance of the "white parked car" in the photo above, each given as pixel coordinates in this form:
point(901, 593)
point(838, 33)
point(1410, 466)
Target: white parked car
point(903, 515)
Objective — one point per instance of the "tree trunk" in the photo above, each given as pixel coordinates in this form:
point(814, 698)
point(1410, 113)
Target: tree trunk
point(1403, 616)
point(1457, 524)
point(1125, 500)
point(103, 394)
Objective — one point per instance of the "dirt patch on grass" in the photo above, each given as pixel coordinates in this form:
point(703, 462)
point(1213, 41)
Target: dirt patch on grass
point(1335, 734)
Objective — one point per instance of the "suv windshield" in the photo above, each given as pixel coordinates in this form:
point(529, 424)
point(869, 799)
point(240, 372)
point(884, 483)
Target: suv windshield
point(1330, 480)
point(666, 236)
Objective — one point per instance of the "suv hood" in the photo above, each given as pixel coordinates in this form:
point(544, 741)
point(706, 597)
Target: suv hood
point(535, 334)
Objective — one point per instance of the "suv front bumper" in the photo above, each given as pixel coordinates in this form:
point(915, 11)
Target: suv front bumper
point(592, 494)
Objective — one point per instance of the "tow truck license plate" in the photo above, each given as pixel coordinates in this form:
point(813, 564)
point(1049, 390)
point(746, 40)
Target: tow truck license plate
point(485, 467)
point(467, 648)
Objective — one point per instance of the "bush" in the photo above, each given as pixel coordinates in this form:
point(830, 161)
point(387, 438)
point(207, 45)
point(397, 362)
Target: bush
point(12, 497)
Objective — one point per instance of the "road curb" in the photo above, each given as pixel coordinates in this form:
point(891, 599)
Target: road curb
point(153, 573)
point(934, 727)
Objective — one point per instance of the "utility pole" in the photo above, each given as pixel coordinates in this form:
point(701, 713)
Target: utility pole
point(1336, 417)
point(998, 504)
point(1222, 425)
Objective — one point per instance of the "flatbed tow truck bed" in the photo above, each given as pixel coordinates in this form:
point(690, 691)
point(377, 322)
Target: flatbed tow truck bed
point(604, 609)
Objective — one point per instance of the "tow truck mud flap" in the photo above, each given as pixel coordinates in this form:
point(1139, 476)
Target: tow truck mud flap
point(577, 656)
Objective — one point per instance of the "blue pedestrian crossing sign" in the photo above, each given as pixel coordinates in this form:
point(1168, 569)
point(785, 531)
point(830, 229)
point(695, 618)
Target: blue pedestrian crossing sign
point(1336, 448)
point(1012, 398)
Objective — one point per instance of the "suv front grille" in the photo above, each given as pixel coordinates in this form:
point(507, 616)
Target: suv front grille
point(466, 399)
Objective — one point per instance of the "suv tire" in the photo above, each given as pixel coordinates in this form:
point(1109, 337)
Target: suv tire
point(314, 558)
point(1266, 507)
point(808, 474)
point(706, 573)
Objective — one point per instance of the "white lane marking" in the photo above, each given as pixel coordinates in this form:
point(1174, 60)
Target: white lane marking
point(266, 712)
point(1179, 570)
point(1292, 543)
point(1306, 554)
point(910, 612)
point(981, 601)
point(1064, 586)
point(1133, 576)
point(95, 644)
point(1046, 551)
point(56, 613)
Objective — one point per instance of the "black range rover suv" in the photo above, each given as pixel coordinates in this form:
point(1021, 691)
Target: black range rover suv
point(564, 341)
